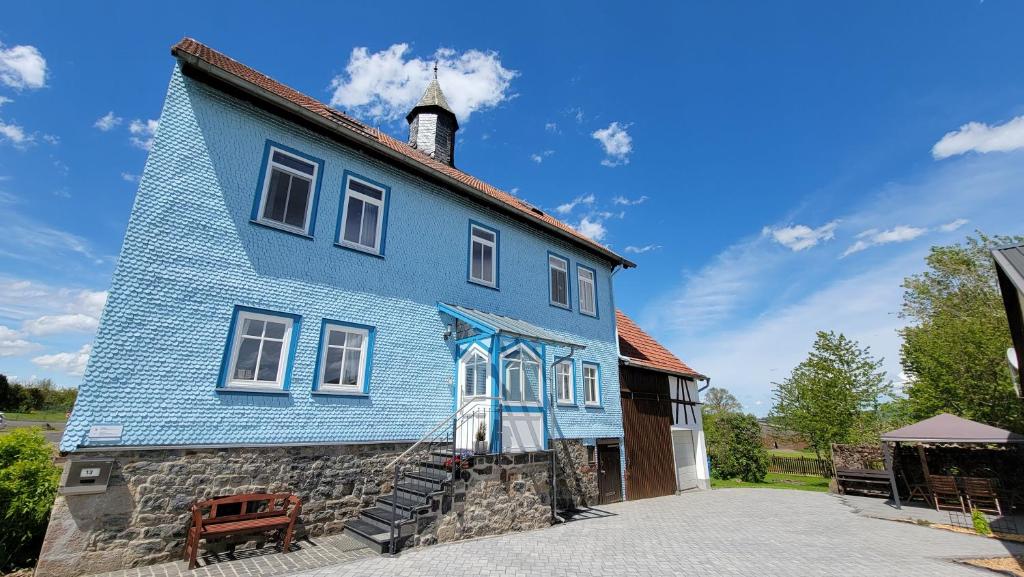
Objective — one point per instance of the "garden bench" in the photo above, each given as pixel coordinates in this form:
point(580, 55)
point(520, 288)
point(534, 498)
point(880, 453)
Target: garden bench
point(863, 479)
point(242, 515)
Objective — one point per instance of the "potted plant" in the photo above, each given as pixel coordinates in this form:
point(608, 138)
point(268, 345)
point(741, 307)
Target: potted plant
point(481, 440)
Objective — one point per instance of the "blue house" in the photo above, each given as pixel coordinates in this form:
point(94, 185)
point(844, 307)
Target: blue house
point(294, 279)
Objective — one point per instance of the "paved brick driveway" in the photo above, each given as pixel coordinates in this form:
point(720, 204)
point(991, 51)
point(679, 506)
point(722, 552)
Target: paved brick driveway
point(722, 532)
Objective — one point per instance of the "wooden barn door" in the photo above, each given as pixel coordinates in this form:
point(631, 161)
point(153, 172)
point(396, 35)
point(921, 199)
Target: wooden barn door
point(647, 423)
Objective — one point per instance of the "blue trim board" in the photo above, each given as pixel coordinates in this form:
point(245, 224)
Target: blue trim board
point(597, 307)
point(544, 395)
point(230, 343)
point(345, 176)
point(371, 335)
point(258, 197)
point(497, 254)
point(496, 424)
point(568, 281)
point(599, 404)
point(466, 319)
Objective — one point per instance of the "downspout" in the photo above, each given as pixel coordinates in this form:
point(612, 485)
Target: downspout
point(554, 451)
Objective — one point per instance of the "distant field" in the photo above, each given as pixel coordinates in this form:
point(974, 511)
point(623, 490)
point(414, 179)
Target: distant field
point(48, 416)
point(777, 481)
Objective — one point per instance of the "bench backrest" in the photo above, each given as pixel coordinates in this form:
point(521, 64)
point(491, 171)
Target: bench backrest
point(243, 507)
point(861, 474)
point(979, 486)
point(943, 484)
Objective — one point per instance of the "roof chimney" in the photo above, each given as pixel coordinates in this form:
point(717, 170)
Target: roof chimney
point(432, 124)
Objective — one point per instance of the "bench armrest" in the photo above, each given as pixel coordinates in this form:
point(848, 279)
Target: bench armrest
point(295, 506)
point(197, 516)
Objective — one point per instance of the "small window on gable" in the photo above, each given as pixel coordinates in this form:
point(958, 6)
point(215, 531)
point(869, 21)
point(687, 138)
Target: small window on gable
point(288, 194)
point(563, 382)
point(260, 348)
point(344, 358)
point(362, 218)
point(591, 384)
point(587, 290)
point(483, 255)
point(558, 276)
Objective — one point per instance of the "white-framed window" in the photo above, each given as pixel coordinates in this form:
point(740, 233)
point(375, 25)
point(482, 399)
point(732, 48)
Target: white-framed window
point(483, 255)
point(591, 385)
point(563, 382)
point(475, 371)
point(558, 276)
point(587, 289)
point(343, 358)
point(259, 350)
point(362, 218)
point(521, 376)
point(287, 198)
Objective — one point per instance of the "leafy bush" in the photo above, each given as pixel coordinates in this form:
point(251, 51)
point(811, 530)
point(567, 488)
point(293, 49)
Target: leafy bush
point(35, 396)
point(980, 523)
point(28, 484)
point(734, 444)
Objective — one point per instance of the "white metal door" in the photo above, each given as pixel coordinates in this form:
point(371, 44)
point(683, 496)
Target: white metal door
point(686, 462)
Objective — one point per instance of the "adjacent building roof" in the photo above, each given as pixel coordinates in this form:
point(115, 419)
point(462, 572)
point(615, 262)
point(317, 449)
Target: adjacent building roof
point(260, 86)
point(1010, 260)
point(494, 323)
point(1010, 275)
point(946, 428)
point(640, 349)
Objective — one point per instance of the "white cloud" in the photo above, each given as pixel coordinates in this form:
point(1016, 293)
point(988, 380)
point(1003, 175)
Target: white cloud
point(982, 138)
point(551, 127)
point(15, 134)
point(22, 67)
point(953, 225)
point(71, 363)
point(616, 142)
point(51, 139)
point(568, 207)
point(143, 133)
point(641, 249)
point(539, 157)
point(24, 300)
point(5, 100)
point(514, 190)
point(60, 324)
point(629, 201)
point(108, 121)
point(801, 237)
point(13, 345)
point(874, 237)
point(592, 228)
point(386, 85)
point(129, 177)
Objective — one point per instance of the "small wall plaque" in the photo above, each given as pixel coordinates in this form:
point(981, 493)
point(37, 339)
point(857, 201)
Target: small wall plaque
point(105, 432)
point(85, 477)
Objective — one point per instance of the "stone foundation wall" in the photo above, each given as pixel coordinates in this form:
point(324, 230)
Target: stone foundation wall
point(497, 494)
point(142, 517)
point(577, 476)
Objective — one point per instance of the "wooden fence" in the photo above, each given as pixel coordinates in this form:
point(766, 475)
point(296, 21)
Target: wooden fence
point(800, 466)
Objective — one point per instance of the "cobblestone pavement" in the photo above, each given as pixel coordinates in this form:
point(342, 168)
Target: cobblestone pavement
point(728, 532)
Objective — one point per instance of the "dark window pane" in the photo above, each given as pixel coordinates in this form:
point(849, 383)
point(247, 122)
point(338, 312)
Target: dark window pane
point(275, 330)
point(253, 327)
point(337, 338)
point(467, 388)
point(477, 264)
point(558, 288)
point(293, 163)
point(298, 199)
point(365, 189)
point(332, 367)
point(368, 237)
point(352, 219)
point(350, 374)
point(355, 340)
point(488, 263)
point(245, 364)
point(481, 233)
point(277, 196)
point(269, 361)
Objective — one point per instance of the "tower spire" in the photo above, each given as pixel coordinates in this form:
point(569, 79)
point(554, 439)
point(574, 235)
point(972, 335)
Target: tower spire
point(432, 123)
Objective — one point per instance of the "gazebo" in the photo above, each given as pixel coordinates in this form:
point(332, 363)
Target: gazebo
point(943, 429)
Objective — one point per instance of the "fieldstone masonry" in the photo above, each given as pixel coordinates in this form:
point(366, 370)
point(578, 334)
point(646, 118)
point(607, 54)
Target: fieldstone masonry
point(142, 517)
point(577, 477)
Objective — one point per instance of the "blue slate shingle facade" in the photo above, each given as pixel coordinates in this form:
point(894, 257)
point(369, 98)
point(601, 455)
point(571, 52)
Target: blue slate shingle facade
point(192, 255)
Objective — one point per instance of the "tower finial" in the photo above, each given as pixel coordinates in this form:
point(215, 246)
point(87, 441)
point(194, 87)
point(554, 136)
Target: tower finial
point(435, 70)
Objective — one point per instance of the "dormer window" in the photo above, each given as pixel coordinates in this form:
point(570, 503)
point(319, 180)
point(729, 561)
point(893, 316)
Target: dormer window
point(288, 194)
point(362, 218)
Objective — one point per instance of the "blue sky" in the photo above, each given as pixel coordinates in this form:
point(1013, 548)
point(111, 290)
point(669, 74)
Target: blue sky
point(773, 168)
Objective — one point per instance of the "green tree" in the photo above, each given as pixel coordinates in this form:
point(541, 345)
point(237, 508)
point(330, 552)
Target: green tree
point(833, 396)
point(28, 484)
point(719, 400)
point(954, 347)
point(734, 445)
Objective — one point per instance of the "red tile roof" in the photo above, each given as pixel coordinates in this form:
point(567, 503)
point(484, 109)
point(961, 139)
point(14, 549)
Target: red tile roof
point(341, 120)
point(642, 350)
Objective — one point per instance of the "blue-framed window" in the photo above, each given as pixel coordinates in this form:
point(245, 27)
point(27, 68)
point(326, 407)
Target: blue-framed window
point(565, 382)
point(260, 350)
point(591, 384)
point(559, 294)
point(289, 190)
point(363, 214)
point(483, 254)
point(521, 376)
point(586, 289)
point(345, 358)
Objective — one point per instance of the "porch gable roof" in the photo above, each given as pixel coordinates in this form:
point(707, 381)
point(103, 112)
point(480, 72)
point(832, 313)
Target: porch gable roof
point(494, 323)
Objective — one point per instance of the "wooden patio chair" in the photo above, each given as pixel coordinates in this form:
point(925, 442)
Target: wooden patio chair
point(945, 493)
point(982, 494)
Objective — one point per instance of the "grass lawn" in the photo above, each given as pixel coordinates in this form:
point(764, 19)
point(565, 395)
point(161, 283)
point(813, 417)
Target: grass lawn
point(777, 481)
point(49, 416)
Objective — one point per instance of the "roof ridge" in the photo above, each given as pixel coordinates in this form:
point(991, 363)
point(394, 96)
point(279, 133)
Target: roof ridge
point(645, 350)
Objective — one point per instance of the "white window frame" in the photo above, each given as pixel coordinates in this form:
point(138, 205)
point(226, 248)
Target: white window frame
point(478, 350)
point(592, 282)
point(596, 398)
point(551, 293)
point(494, 255)
point(524, 350)
point(236, 343)
point(360, 385)
point(271, 165)
point(380, 204)
point(570, 367)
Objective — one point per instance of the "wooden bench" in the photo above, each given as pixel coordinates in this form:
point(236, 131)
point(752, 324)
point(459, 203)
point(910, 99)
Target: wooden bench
point(863, 479)
point(242, 515)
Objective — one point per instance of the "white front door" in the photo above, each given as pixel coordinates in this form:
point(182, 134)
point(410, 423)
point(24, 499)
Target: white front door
point(686, 462)
point(474, 398)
